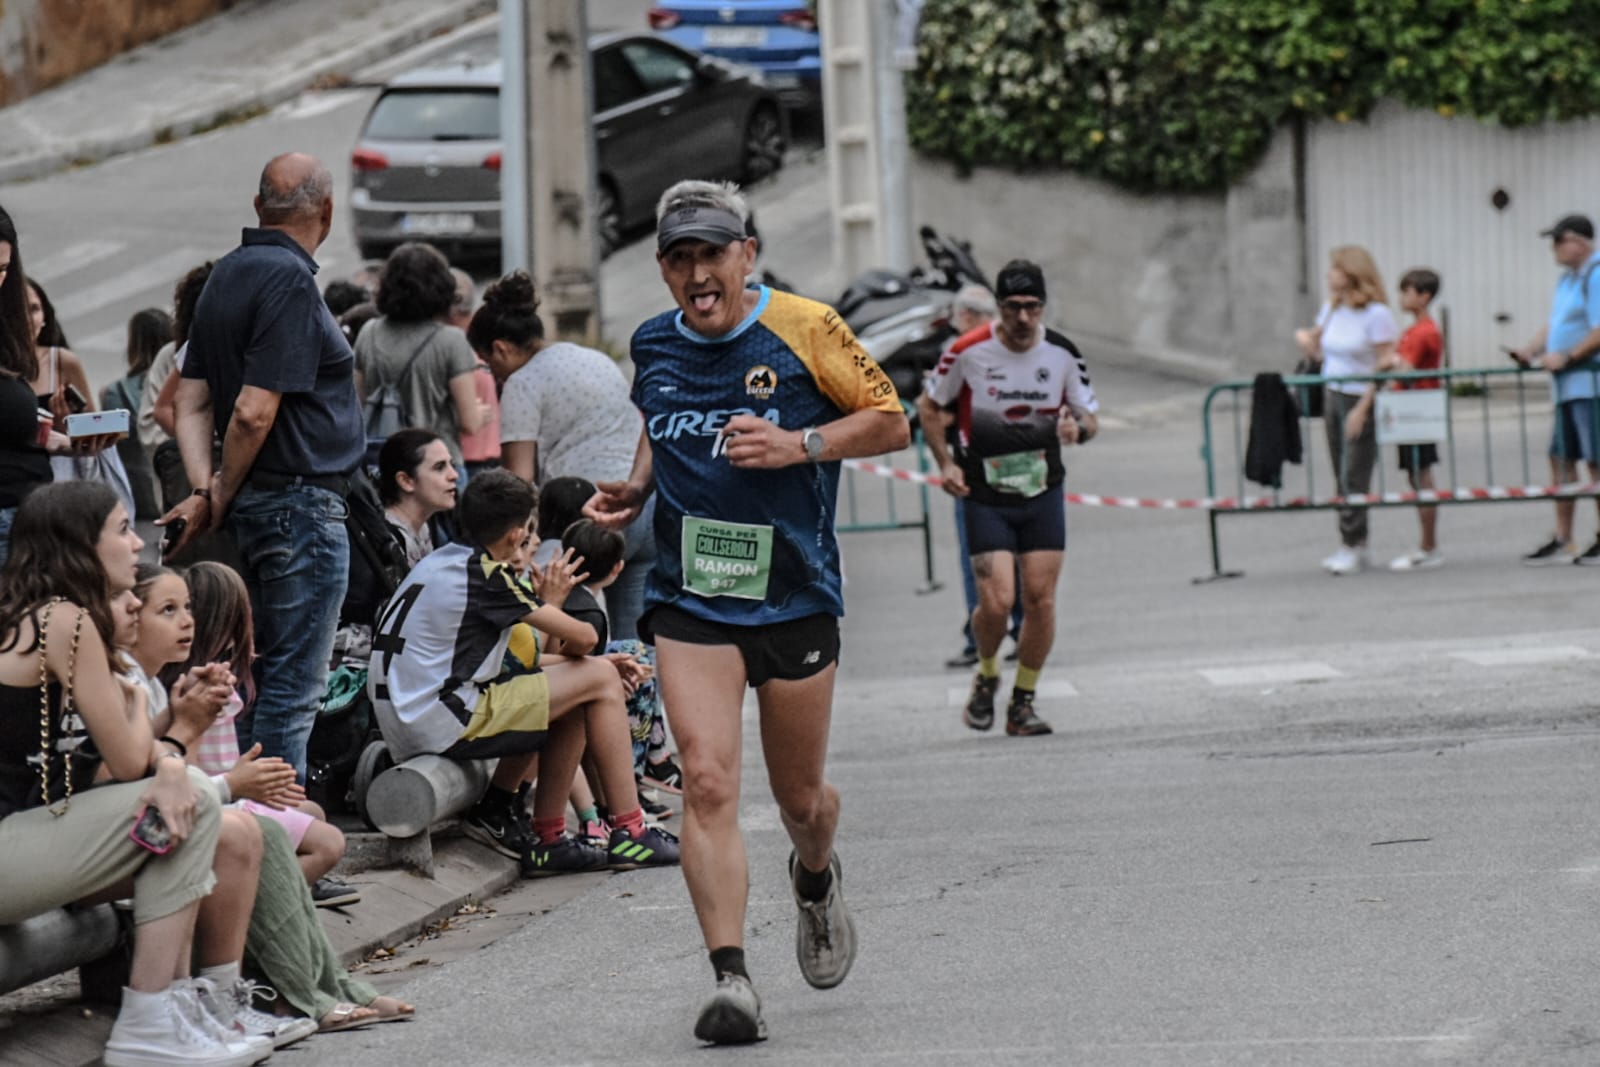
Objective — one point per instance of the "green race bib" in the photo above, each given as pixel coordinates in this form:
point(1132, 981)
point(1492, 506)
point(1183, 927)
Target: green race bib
point(726, 558)
point(1023, 473)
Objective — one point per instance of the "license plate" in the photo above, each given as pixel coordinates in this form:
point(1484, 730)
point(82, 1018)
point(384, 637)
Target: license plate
point(736, 37)
point(438, 222)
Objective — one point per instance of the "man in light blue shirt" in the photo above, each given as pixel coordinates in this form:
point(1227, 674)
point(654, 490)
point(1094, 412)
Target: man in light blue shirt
point(1565, 347)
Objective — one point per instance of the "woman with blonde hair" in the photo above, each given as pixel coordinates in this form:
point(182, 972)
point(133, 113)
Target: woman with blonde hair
point(1354, 335)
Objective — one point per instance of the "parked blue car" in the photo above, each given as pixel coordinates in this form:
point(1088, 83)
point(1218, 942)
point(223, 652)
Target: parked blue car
point(777, 37)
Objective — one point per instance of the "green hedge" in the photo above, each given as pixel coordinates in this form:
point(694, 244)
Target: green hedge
point(1185, 94)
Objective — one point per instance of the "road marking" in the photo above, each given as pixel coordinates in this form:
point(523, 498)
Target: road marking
point(1056, 689)
point(319, 102)
point(1271, 673)
point(154, 275)
point(1510, 657)
point(71, 258)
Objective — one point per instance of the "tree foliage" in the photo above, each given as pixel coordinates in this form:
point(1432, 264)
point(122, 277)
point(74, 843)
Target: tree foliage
point(1185, 94)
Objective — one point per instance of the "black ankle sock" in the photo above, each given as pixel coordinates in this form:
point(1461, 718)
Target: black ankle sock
point(812, 885)
point(729, 960)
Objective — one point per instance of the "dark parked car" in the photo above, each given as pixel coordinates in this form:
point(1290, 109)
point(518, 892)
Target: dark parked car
point(777, 37)
point(426, 165)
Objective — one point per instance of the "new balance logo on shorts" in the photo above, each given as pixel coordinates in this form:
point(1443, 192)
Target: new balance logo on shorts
point(812, 657)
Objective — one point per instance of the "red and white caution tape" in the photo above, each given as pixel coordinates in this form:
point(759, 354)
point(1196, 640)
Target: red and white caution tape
point(1268, 502)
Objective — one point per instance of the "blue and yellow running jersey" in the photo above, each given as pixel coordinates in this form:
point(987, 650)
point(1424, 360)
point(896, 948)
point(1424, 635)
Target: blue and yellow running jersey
point(795, 363)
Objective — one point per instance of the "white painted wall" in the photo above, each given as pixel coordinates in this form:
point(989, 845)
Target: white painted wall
point(1415, 189)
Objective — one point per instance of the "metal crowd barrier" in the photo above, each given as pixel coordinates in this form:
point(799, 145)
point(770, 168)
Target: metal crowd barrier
point(1475, 455)
point(879, 506)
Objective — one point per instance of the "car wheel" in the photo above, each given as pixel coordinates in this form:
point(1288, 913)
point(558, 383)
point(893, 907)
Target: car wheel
point(763, 145)
point(607, 219)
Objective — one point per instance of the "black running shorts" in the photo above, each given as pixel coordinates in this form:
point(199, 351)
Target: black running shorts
point(1038, 524)
point(788, 651)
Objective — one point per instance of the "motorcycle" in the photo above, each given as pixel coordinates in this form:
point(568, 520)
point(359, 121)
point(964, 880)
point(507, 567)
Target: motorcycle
point(903, 320)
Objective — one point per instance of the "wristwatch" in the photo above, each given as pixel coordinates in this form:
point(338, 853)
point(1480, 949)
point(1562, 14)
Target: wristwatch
point(811, 439)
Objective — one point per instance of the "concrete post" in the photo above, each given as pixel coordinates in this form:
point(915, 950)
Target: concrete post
point(558, 107)
point(405, 800)
point(55, 941)
point(863, 111)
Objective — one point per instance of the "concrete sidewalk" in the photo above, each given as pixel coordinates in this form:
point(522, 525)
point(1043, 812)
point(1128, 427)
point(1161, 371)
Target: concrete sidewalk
point(229, 67)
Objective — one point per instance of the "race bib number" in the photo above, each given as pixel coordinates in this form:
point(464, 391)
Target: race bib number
point(1023, 473)
point(726, 558)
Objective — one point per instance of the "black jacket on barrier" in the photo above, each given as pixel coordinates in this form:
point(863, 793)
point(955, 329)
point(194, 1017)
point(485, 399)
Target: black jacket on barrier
point(1274, 431)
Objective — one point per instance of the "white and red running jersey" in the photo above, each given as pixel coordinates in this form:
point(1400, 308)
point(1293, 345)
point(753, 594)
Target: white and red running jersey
point(1007, 405)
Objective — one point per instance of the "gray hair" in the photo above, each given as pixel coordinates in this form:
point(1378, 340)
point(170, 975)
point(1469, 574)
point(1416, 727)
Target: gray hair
point(466, 289)
point(976, 299)
point(298, 201)
point(692, 193)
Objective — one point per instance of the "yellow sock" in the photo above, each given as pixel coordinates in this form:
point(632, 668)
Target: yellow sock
point(989, 666)
point(1027, 678)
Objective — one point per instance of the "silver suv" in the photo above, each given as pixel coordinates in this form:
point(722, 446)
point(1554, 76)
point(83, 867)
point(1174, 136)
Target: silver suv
point(426, 165)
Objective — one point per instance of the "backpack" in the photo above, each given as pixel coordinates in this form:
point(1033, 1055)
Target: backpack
point(385, 408)
point(371, 536)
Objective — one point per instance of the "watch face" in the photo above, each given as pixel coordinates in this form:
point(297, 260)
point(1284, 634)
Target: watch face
point(813, 443)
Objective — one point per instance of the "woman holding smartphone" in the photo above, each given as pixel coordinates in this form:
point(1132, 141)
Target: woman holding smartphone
point(66, 715)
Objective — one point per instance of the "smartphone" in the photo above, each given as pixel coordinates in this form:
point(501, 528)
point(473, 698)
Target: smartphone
point(76, 401)
point(150, 832)
point(175, 530)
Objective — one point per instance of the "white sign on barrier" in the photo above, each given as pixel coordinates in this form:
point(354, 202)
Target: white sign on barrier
point(1414, 417)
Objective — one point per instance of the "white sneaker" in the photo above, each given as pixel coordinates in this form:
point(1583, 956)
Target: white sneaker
point(234, 1006)
point(200, 1002)
point(1417, 561)
point(1346, 561)
point(154, 1030)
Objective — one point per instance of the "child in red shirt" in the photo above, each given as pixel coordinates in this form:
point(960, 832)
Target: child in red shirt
point(1422, 348)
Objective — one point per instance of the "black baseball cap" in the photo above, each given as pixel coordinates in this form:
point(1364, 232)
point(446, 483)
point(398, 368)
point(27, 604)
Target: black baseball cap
point(1578, 224)
point(1020, 277)
point(698, 222)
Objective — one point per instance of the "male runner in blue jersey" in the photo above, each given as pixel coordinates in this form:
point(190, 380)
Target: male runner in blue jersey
point(750, 398)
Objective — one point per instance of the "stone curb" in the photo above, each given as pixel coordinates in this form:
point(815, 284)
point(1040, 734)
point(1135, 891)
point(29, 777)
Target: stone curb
point(220, 108)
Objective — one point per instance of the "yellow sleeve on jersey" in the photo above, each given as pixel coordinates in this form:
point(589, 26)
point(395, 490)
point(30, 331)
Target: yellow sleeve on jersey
point(524, 645)
point(841, 368)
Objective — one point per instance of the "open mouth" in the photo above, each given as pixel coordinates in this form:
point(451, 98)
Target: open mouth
point(704, 302)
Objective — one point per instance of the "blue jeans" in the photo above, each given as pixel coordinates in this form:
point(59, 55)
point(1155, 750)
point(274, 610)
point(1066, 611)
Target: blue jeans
point(969, 584)
point(296, 558)
point(625, 596)
point(7, 517)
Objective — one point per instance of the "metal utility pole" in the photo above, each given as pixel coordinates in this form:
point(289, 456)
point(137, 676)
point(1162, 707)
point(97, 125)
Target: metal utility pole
point(863, 107)
point(547, 175)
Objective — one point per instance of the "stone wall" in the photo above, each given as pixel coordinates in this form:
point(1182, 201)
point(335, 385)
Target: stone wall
point(43, 42)
point(1204, 284)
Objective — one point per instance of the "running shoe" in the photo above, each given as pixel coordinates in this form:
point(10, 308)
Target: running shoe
point(568, 855)
point(654, 810)
point(332, 893)
point(1020, 718)
point(825, 939)
point(965, 659)
point(979, 712)
point(1553, 551)
point(653, 848)
point(499, 828)
point(733, 1014)
point(1591, 556)
point(664, 775)
point(1422, 561)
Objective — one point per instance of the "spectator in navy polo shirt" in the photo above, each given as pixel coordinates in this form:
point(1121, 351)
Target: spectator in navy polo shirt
point(270, 374)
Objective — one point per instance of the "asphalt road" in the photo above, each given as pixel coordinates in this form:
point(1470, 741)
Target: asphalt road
point(1286, 819)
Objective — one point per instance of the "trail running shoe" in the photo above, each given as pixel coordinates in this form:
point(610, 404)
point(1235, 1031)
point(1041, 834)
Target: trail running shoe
point(1552, 551)
point(1591, 556)
point(664, 775)
point(979, 712)
point(499, 828)
point(653, 848)
point(569, 855)
point(825, 940)
point(1020, 718)
point(733, 1014)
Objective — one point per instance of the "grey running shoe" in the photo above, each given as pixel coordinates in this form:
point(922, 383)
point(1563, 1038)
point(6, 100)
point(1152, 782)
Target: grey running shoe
point(825, 940)
point(733, 1014)
point(979, 712)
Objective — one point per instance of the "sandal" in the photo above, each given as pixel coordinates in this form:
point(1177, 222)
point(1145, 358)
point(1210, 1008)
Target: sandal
point(346, 1017)
point(392, 1010)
